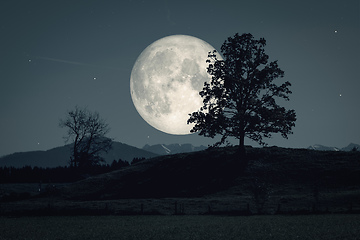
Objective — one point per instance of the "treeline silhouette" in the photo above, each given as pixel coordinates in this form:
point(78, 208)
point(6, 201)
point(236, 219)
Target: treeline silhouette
point(28, 174)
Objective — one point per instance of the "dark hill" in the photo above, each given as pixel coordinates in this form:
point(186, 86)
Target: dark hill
point(212, 181)
point(279, 174)
point(179, 175)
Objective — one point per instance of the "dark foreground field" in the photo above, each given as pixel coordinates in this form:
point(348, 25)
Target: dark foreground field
point(276, 181)
point(182, 227)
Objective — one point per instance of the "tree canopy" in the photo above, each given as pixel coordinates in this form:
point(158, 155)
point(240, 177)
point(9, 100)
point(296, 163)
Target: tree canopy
point(240, 99)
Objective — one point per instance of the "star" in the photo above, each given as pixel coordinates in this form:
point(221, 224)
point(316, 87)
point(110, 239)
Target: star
point(94, 78)
point(335, 31)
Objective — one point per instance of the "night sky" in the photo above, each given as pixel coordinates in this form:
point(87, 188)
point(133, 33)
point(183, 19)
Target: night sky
point(58, 54)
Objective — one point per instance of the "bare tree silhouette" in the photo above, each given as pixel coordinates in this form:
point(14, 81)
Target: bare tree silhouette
point(86, 130)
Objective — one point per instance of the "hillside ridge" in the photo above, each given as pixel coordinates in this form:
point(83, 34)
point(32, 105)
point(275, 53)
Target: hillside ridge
point(219, 169)
point(213, 181)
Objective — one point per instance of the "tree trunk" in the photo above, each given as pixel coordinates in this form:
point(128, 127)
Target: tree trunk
point(75, 151)
point(242, 152)
point(242, 145)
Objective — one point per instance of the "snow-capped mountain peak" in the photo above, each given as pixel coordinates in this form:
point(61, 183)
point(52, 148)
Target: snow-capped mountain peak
point(168, 151)
point(165, 149)
point(320, 147)
point(348, 148)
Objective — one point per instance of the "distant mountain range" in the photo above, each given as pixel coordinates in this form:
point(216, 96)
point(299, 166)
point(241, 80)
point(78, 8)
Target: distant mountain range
point(348, 148)
point(60, 156)
point(164, 149)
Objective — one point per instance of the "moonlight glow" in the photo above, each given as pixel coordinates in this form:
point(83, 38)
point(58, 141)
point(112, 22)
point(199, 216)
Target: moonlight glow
point(166, 80)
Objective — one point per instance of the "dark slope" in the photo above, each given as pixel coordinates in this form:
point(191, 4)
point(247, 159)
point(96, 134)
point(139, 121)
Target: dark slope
point(271, 171)
point(180, 175)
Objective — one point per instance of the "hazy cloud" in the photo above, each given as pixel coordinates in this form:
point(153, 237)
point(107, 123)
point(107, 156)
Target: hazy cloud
point(71, 62)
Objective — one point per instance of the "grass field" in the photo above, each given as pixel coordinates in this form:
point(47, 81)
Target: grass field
point(182, 227)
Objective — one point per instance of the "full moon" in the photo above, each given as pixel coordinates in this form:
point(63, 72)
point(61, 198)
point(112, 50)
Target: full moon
point(166, 80)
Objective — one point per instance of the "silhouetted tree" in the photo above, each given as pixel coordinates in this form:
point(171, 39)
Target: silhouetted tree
point(118, 164)
point(136, 160)
point(87, 132)
point(240, 99)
